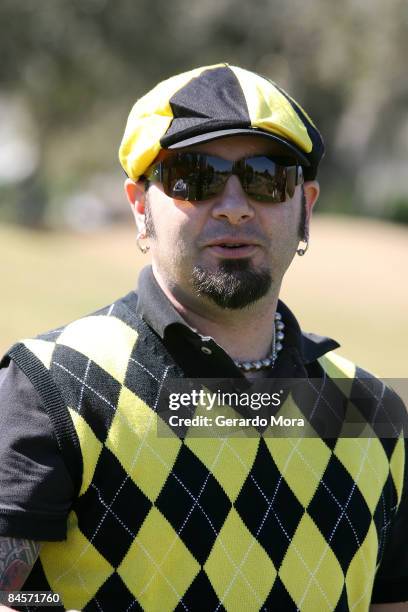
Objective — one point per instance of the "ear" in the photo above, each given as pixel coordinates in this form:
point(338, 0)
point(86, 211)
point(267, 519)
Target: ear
point(312, 190)
point(135, 193)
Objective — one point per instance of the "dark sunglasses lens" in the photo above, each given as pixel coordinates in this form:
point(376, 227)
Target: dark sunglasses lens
point(178, 176)
point(291, 180)
point(194, 177)
point(264, 180)
point(215, 172)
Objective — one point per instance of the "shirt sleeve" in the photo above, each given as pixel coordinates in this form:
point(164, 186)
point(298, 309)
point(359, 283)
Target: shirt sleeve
point(391, 582)
point(36, 490)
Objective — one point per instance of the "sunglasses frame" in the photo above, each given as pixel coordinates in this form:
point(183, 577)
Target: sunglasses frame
point(291, 176)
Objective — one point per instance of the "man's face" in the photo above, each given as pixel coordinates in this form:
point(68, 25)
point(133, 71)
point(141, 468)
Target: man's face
point(183, 236)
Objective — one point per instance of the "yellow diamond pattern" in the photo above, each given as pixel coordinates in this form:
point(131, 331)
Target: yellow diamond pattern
point(42, 348)
point(133, 438)
point(319, 577)
point(219, 454)
point(366, 461)
point(105, 340)
point(149, 568)
point(361, 572)
point(290, 410)
point(397, 464)
point(239, 569)
point(302, 463)
point(90, 448)
point(74, 568)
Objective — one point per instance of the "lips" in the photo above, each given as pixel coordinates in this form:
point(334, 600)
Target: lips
point(232, 242)
point(231, 246)
point(232, 249)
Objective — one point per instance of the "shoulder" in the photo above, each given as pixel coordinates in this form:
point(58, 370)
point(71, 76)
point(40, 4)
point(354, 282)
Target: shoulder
point(115, 326)
point(335, 365)
point(381, 402)
point(340, 368)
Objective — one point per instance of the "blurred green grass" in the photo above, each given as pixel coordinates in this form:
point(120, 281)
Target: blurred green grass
point(351, 285)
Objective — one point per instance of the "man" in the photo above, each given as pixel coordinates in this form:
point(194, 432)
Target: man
point(100, 508)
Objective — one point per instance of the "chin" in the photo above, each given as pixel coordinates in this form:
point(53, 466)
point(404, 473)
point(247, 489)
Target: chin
point(234, 284)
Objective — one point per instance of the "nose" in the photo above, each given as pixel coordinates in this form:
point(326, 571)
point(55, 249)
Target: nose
point(232, 204)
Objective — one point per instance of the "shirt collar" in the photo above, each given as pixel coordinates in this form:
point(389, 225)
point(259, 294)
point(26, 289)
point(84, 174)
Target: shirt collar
point(310, 346)
point(159, 313)
point(154, 306)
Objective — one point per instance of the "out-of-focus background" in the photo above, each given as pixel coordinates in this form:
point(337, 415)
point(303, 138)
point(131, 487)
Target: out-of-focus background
point(70, 72)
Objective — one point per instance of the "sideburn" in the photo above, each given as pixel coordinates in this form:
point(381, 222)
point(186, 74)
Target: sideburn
point(302, 222)
point(149, 225)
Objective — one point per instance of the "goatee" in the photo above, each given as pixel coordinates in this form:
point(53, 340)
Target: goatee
point(235, 284)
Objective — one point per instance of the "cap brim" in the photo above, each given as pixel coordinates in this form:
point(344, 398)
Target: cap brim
point(202, 138)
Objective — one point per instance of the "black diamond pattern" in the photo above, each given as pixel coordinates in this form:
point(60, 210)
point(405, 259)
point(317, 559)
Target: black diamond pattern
point(383, 515)
point(273, 523)
point(197, 524)
point(144, 382)
point(73, 361)
point(110, 594)
point(346, 534)
point(379, 406)
point(323, 404)
point(342, 604)
point(194, 600)
point(380, 520)
point(279, 599)
point(37, 581)
point(89, 399)
point(130, 505)
point(388, 445)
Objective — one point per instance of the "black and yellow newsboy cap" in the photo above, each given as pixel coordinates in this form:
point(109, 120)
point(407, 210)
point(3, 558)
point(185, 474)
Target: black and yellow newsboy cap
point(213, 102)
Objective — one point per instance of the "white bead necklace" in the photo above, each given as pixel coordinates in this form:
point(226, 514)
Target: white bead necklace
point(277, 344)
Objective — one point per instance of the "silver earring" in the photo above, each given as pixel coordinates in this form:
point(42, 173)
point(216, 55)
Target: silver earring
point(302, 251)
point(143, 249)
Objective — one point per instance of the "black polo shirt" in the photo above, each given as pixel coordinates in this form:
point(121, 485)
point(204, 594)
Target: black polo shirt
point(36, 491)
point(201, 357)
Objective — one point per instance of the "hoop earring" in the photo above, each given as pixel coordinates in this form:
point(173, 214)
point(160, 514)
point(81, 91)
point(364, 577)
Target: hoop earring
point(302, 251)
point(142, 249)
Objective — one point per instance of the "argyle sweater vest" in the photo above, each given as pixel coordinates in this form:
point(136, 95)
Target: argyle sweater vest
point(163, 523)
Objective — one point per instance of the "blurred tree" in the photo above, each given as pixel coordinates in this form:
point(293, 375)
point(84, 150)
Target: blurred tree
point(80, 64)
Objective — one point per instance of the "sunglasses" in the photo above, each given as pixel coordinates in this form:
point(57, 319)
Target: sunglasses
point(197, 176)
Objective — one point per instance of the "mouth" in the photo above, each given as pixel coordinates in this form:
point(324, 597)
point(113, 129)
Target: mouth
point(232, 250)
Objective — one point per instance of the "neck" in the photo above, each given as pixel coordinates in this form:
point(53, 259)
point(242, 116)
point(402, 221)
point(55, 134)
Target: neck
point(245, 334)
